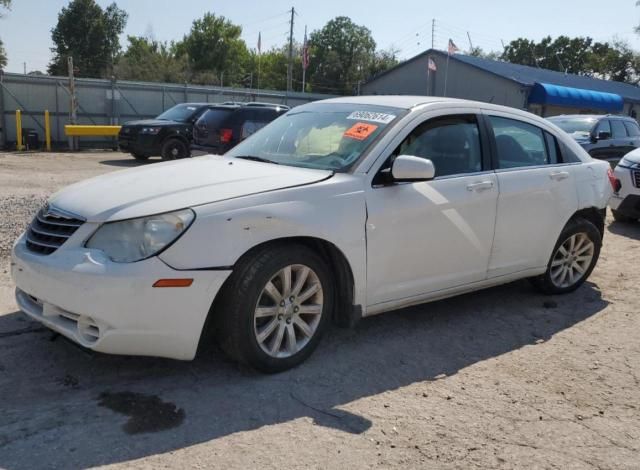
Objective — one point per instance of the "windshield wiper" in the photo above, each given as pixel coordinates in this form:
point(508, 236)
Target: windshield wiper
point(257, 159)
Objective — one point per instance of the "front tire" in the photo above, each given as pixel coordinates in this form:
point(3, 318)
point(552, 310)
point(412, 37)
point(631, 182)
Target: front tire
point(275, 308)
point(174, 149)
point(574, 257)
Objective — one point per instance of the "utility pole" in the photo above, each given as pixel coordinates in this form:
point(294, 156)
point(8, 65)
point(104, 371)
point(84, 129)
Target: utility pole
point(73, 104)
point(24, 65)
point(470, 43)
point(433, 34)
point(290, 66)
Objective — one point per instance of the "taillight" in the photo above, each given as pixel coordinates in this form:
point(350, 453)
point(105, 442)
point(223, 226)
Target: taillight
point(615, 182)
point(226, 135)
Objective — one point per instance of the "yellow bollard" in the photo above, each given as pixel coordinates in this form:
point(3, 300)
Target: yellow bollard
point(47, 131)
point(19, 130)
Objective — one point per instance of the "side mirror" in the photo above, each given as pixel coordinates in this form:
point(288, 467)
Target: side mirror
point(407, 168)
point(603, 135)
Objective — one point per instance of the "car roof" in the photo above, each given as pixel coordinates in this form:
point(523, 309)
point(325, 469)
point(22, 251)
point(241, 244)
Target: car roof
point(591, 116)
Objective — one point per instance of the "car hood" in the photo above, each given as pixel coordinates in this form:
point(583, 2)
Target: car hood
point(633, 157)
point(164, 187)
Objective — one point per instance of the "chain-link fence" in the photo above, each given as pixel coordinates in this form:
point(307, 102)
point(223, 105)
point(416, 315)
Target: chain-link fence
point(106, 102)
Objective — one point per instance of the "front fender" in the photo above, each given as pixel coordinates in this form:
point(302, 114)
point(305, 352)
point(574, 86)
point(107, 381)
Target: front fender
point(223, 232)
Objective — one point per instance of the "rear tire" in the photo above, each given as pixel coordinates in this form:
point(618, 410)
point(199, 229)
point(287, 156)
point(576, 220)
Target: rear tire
point(573, 259)
point(140, 157)
point(619, 217)
point(174, 149)
point(275, 308)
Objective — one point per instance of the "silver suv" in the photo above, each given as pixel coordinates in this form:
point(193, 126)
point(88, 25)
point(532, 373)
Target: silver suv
point(605, 137)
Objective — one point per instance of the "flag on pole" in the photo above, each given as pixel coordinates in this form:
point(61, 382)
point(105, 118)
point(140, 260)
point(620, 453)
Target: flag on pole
point(452, 47)
point(305, 53)
point(259, 42)
point(432, 65)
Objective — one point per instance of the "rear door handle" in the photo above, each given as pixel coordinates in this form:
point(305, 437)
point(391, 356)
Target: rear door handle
point(559, 175)
point(480, 186)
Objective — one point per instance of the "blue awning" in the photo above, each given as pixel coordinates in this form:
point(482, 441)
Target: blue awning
point(544, 93)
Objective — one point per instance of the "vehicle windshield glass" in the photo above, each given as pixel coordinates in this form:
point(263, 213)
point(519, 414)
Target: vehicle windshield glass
point(179, 113)
point(579, 126)
point(328, 136)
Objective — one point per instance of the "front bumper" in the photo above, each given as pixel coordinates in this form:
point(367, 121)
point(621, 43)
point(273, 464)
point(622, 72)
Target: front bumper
point(112, 307)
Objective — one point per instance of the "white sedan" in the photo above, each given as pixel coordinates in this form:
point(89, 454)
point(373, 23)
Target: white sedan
point(339, 209)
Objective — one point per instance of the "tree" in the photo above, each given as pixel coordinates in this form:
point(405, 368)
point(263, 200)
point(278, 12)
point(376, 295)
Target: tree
point(383, 60)
point(89, 34)
point(213, 47)
point(580, 56)
point(3, 54)
point(342, 53)
point(149, 60)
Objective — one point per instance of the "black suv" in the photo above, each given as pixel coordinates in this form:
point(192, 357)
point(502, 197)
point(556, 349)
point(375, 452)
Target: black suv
point(168, 135)
point(605, 137)
point(224, 126)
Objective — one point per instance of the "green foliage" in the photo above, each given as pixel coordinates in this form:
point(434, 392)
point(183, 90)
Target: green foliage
point(213, 48)
point(383, 60)
point(89, 34)
point(3, 53)
point(342, 53)
point(3, 56)
point(581, 56)
point(149, 60)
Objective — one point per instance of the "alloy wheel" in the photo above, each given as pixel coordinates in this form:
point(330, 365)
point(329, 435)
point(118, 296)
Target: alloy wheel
point(572, 260)
point(288, 311)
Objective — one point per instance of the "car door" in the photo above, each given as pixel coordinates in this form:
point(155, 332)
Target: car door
point(427, 236)
point(603, 149)
point(633, 131)
point(619, 139)
point(537, 194)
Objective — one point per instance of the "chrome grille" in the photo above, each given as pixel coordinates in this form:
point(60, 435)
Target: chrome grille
point(49, 229)
point(635, 176)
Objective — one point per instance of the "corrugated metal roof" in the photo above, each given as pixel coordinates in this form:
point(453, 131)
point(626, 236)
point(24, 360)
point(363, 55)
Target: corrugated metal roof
point(527, 76)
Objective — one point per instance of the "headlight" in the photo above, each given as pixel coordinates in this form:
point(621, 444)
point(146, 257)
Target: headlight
point(151, 130)
point(132, 240)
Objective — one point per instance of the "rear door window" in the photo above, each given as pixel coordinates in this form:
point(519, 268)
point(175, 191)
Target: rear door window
point(632, 128)
point(519, 144)
point(618, 130)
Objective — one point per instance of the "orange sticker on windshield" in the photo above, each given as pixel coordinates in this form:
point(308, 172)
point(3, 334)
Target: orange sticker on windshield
point(360, 131)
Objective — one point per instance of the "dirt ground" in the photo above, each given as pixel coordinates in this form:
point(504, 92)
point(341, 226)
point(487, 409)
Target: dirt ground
point(504, 378)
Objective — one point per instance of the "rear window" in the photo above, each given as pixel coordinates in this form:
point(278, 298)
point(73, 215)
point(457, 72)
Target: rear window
point(213, 118)
point(632, 128)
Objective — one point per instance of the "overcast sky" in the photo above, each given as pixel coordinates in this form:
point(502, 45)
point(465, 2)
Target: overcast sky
point(404, 24)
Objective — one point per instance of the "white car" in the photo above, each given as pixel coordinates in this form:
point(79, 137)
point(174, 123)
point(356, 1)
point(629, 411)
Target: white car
point(625, 201)
point(337, 210)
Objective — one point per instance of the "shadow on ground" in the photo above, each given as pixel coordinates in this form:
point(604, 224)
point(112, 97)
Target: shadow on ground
point(62, 407)
point(129, 162)
point(626, 229)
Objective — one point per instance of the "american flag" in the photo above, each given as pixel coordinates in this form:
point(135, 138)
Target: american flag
point(432, 65)
point(305, 53)
point(452, 47)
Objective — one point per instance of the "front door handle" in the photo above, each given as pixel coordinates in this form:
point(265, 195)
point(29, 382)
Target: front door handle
point(559, 175)
point(480, 186)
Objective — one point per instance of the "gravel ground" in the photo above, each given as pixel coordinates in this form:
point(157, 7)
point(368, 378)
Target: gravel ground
point(504, 378)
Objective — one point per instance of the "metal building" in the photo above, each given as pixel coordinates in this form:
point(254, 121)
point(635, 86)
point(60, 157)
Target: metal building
point(541, 91)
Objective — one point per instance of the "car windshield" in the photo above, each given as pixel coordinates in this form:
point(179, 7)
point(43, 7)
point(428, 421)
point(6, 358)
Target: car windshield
point(581, 126)
point(328, 136)
point(179, 113)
